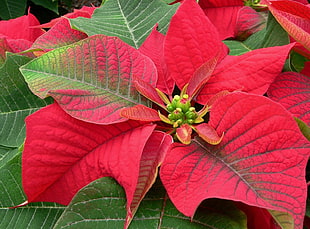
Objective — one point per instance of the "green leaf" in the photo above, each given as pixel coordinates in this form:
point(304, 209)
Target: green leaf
point(35, 216)
point(16, 101)
point(32, 216)
point(91, 79)
point(10, 9)
point(101, 204)
point(131, 21)
point(272, 35)
point(304, 128)
point(11, 192)
point(48, 4)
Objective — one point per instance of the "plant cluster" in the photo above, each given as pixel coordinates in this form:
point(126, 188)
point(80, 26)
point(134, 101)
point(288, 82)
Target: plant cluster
point(157, 114)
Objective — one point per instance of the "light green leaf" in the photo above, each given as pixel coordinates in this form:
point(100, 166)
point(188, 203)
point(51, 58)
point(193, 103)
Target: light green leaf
point(101, 204)
point(16, 101)
point(10, 9)
point(131, 21)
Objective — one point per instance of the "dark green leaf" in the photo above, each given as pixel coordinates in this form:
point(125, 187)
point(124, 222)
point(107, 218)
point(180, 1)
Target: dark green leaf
point(48, 4)
point(101, 204)
point(10, 9)
point(16, 101)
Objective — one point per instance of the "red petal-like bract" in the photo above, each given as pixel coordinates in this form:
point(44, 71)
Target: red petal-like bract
point(294, 17)
point(60, 34)
point(141, 113)
point(235, 21)
point(153, 47)
point(251, 72)
point(224, 19)
point(63, 154)
point(152, 157)
point(191, 40)
point(292, 90)
point(219, 3)
point(261, 160)
point(21, 28)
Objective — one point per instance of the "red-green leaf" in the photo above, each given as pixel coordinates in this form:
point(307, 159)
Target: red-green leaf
point(184, 133)
point(292, 90)
point(201, 76)
point(59, 35)
point(251, 72)
point(208, 134)
point(294, 18)
point(153, 47)
point(63, 154)
point(148, 91)
point(141, 113)
point(91, 79)
point(191, 40)
point(152, 157)
point(260, 161)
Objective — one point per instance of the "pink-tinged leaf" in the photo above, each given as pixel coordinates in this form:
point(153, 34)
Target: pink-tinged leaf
point(201, 76)
point(251, 72)
point(220, 3)
point(60, 34)
point(208, 134)
point(191, 40)
point(85, 11)
point(294, 17)
point(148, 91)
point(21, 28)
point(14, 46)
point(140, 113)
point(153, 47)
point(248, 22)
point(292, 90)
point(261, 160)
point(152, 156)
point(91, 79)
point(63, 154)
point(184, 134)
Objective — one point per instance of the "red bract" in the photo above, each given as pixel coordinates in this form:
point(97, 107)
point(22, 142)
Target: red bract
point(18, 34)
point(294, 18)
point(191, 41)
point(292, 90)
point(232, 18)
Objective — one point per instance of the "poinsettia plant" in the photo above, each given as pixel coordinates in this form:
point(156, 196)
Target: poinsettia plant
point(195, 130)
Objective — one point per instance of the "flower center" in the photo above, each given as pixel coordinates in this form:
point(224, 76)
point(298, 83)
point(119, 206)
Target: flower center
point(181, 111)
